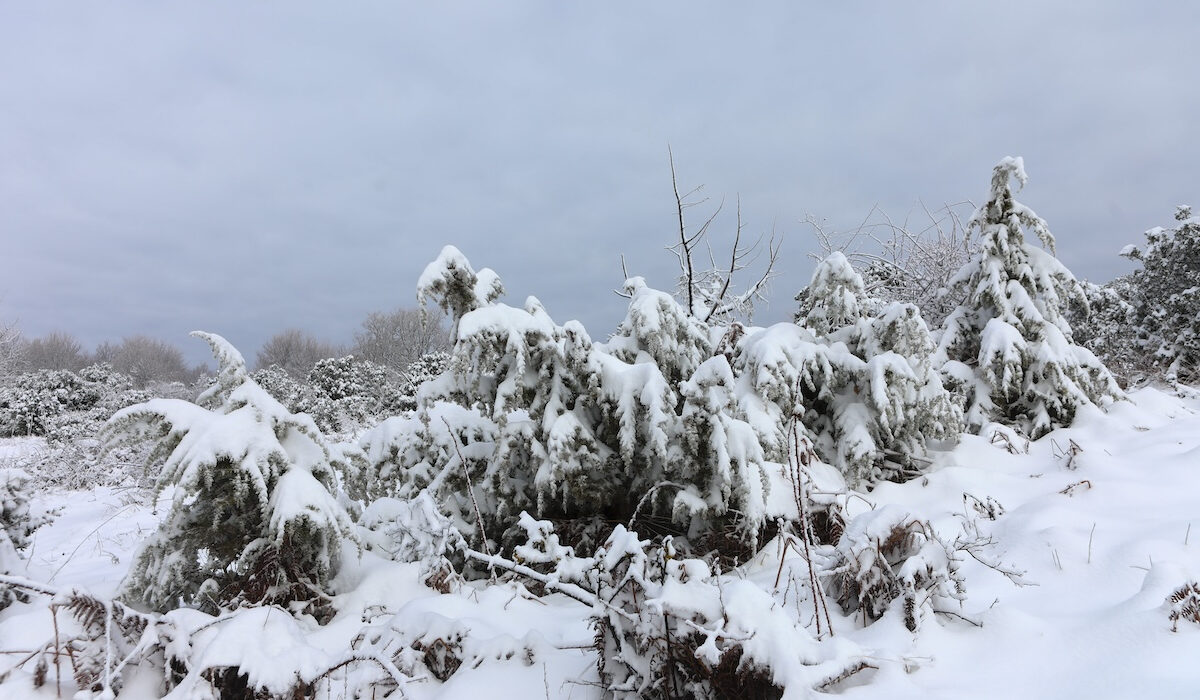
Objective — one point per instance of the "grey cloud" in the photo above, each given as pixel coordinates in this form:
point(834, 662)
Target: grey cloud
point(246, 168)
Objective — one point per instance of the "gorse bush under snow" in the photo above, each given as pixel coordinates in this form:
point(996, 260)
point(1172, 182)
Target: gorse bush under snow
point(1164, 296)
point(254, 516)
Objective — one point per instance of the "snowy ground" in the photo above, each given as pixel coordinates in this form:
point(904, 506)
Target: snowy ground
point(1104, 541)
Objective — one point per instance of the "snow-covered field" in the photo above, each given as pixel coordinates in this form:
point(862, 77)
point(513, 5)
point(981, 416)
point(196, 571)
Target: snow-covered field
point(1098, 517)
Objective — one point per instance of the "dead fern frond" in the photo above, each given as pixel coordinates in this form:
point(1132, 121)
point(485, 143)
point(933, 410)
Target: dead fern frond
point(1074, 488)
point(1184, 605)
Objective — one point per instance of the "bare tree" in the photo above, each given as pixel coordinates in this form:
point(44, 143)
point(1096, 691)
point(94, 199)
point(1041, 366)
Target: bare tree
point(145, 359)
point(395, 339)
point(295, 352)
point(707, 291)
point(55, 351)
point(10, 348)
point(903, 261)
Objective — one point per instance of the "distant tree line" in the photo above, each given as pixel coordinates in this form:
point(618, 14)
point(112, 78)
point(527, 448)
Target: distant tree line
point(391, 339)
point(143, 359)
point(47, 381)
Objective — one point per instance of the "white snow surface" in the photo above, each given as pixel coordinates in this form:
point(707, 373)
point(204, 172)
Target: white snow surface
point(1105, 538)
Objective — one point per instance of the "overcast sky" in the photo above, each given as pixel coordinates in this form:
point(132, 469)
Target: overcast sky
point(245, 167)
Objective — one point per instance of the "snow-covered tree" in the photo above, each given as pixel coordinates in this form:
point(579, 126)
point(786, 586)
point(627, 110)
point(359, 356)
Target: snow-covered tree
point(254, 516)
point(425, 368)
point(1165, 295)
point(1008, 347)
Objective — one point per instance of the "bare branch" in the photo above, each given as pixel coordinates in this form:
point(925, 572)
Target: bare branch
point(683, 240)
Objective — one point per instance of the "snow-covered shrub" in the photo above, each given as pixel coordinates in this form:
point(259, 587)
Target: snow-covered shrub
point(549, 422)
point(888, 559)
point(348, 392)
point(254, 518)
point(34, 398)
point(1107, 327)
point(103, 647)
point(17, 525)
point(69, 409)
point(836, 297)
point(340, 394)
point(341, 378)
point(1165, 296)
point(665, 404)
point(858, 376)
point(414, 530)
point(1008, 347)
point(666, 632)
point(17, 521)
point(423, 369)
point(38, 403)
point(75, 458)
point(455, 286)
point(276, 381)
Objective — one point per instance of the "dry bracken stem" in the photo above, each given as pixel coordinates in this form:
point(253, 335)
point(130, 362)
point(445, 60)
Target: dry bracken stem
point(471, 493)
point(782, 556)
point(670, 653)
point(108, 647)
point(805, 529)
point(57, 666)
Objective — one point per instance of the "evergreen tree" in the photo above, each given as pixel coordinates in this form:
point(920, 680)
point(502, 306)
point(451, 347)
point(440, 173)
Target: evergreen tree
point(254, 518)
point(1008, 347)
